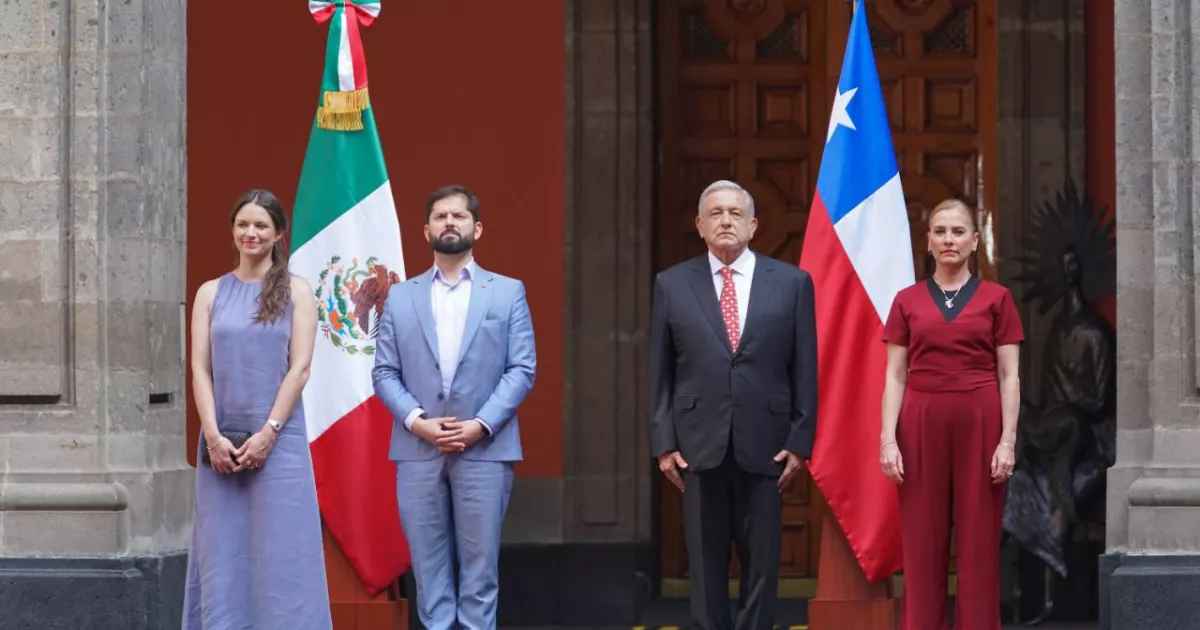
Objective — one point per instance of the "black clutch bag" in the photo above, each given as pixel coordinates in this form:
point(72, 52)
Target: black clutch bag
point(237, 438)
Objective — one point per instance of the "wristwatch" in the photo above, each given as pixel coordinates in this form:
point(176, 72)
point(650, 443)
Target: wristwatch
point(274, 424)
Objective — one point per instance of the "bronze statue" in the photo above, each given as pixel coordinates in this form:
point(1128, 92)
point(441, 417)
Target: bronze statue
point(1067, 438)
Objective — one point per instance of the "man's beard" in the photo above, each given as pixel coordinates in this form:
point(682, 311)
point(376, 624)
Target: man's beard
point(445, 245)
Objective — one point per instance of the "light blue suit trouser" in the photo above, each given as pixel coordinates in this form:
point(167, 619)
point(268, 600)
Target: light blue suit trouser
point(452, 509)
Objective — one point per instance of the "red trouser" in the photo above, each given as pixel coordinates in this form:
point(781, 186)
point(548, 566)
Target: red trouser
point(947, 440)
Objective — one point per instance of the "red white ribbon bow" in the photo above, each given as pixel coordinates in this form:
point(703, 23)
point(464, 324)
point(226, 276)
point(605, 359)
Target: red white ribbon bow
point(350, 14)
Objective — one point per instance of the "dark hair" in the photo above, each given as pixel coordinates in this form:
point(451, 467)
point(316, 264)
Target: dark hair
point(276, 286)
point(450, 191)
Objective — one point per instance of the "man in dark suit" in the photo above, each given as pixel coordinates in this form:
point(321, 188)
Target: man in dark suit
point(733, 364)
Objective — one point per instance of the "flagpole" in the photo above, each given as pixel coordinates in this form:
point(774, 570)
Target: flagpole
point(844, 598)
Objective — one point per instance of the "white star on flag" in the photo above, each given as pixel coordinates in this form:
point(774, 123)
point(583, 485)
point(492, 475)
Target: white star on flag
point(839, 115)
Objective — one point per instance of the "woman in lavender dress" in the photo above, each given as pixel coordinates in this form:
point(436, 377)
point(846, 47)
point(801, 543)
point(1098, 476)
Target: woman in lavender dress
point(256, 559)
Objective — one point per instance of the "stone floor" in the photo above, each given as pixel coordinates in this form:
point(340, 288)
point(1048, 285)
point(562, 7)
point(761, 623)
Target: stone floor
point(683, 626)
point(669, 614)
point(674, 614)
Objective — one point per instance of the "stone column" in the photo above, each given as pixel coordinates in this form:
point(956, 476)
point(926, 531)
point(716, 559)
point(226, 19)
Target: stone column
point(584, 540)
point(610, 213)
point(95, 491)
point(1151, 573)
point(599, 517)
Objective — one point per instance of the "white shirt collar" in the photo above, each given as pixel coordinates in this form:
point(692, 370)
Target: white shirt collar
point(744, 265)
point(467, 272)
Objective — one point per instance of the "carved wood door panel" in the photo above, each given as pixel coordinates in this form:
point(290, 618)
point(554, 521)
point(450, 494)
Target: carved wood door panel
point(742, 97)
point(937, 68)
point(744, 94)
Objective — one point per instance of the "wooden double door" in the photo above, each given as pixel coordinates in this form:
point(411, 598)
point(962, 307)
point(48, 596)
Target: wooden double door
point(745, 88)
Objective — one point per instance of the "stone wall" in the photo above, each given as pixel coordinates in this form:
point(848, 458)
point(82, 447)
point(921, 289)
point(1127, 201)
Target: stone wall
point(93, 480)
point(585, 540)
point(1152, 572)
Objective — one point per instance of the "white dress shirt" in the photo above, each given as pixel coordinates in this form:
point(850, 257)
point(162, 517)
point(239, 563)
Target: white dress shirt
point(450, 302)
point(743, 273)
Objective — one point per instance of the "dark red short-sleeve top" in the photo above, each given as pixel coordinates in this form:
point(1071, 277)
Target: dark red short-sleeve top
point(952, 349)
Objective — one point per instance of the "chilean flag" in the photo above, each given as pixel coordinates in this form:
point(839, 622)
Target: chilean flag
point(857, 249)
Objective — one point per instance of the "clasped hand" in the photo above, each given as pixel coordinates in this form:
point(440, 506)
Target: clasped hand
point(226, 459)
point(448, 434)
point(253, 454)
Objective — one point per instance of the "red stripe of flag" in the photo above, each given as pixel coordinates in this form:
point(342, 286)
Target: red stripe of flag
point(356, 488)
point(851, 365)
point(357, 58)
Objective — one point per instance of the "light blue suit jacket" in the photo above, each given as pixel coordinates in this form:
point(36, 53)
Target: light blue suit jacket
point(495, 369)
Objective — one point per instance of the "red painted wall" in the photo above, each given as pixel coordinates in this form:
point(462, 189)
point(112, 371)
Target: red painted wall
point(464, 91)
point(1101, 118)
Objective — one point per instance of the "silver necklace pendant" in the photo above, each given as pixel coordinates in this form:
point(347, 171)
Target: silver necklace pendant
point(946, 296)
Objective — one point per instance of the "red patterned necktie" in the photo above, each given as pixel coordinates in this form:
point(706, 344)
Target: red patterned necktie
point(729, 307)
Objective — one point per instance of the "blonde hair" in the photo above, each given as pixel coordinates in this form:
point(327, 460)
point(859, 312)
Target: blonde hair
point(953, 204)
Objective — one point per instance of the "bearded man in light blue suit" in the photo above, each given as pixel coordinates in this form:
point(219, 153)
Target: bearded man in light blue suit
point(455, 358)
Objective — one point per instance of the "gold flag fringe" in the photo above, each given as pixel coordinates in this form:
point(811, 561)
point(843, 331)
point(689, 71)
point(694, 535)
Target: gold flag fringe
point(342, 111)
point(339, 121)
point(355, 100)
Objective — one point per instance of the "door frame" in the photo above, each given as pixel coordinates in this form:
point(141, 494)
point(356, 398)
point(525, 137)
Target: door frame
point(836, 26)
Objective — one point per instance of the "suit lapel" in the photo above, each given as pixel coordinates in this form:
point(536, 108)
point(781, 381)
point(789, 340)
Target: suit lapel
point(481, 294)
point(760, 296)
point(706, 295)
point(422, 297)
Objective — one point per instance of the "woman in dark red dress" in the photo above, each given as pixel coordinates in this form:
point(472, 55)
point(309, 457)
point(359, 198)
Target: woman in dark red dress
point(949, 426)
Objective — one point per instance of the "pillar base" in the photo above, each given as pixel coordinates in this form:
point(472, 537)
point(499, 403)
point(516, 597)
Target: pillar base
point(351, 606)
point(574, 583)
point(1149, 591)
point(845, 599)
point(69, 593)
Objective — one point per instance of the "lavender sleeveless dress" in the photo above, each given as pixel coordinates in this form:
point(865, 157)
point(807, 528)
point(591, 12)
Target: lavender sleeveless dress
point(256, 560)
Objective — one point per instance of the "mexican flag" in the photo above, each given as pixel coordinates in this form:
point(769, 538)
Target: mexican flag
point(346, 244)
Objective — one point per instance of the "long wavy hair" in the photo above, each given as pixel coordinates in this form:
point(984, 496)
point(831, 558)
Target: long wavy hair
point(276, 285)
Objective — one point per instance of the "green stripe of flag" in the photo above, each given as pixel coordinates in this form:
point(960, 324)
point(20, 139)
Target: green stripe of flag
point(329, 80)
point(340, 169)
